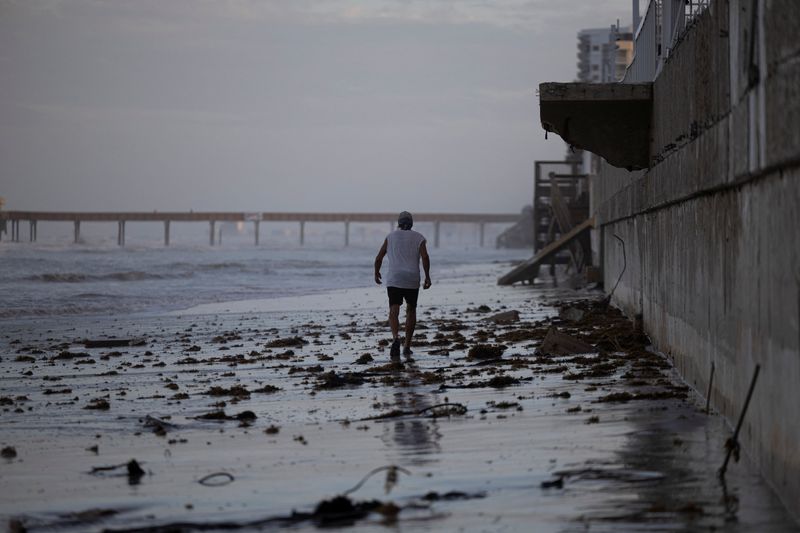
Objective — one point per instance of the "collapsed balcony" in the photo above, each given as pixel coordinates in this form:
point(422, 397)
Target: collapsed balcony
point(611, 120)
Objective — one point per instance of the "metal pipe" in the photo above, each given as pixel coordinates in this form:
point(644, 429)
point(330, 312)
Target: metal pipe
point(708, 393)
point(733, 443)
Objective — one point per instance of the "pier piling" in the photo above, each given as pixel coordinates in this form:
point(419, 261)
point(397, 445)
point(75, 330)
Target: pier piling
point(211, 224)
point(482, 227)
point(77, 231)
point(347, 233)
point(166, 233)
point(302, 232)
point(121, 233)
point(436, 225)
point(256, 227)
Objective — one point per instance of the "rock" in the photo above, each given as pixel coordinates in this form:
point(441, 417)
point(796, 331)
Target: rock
point(557, 343)
point(506, 317)
point(9, 452)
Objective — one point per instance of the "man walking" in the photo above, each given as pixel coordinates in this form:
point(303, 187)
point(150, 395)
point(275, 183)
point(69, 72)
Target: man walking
point(404, 248)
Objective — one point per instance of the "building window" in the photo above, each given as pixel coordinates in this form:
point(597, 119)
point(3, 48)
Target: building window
point(594, 67)
point(595, 48)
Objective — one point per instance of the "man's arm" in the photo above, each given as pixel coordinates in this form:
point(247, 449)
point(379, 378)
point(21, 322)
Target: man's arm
point(379, 261)
point(426, 264)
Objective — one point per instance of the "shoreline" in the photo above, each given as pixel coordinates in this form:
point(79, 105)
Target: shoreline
point(510, 440)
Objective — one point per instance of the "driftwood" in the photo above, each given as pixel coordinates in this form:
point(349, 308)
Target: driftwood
point(113, 343)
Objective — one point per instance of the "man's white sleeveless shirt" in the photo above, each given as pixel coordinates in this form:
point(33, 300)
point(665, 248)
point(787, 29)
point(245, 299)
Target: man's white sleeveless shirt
point(402, 254)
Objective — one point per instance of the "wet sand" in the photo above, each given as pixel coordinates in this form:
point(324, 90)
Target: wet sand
point(610, 440)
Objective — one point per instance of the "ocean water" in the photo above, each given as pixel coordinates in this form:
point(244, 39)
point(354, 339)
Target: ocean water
point(58, 279)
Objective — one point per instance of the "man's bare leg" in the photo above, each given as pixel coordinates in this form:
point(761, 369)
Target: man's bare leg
point(394, 320)
point(411, 323)
point(394, 324)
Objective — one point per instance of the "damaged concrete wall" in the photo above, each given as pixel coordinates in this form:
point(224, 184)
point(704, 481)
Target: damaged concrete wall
point(712, 229)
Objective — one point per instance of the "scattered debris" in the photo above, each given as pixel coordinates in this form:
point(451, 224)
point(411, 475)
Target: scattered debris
point(557, 343)
point(113, 343)
point(287, 342)
point(486, 351)
point(557, 483)
point(237, 391)
point(133, 471)
point(332, 380)
point(217, 479)
point(98, 404)
point(573, 314)
point(453, 495)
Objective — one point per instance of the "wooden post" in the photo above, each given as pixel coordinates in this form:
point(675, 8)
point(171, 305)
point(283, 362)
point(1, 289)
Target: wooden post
point(77, 231)
point(436, 234)
point(347, 233)
point(211, 231)
point(256, 225)
point(302, 232)
point(166, 233)
point(482, 228)
point(30, 230)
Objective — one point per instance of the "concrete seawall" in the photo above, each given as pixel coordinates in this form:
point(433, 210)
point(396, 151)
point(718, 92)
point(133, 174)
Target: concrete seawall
point(712, 229)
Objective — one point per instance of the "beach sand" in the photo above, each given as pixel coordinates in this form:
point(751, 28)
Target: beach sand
point(313, 404)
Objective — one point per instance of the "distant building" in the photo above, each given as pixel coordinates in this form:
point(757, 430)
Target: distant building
point(604, 54)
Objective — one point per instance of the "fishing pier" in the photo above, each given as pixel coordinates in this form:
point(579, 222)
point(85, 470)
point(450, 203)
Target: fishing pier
point(11, 221)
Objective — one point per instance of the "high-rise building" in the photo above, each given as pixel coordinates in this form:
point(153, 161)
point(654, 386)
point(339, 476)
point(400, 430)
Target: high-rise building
point(603, 54)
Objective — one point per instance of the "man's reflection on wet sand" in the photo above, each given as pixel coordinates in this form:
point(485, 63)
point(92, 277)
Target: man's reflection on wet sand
point(415, 438)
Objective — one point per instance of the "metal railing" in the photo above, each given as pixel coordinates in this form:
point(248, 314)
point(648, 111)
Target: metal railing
point(662, 27)
point(646, 46)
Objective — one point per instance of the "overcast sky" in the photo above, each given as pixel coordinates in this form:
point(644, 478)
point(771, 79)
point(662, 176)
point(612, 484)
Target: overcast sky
point(312, 105)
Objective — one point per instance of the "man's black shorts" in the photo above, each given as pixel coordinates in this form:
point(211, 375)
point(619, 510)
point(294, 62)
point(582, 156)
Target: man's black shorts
point(397, 294)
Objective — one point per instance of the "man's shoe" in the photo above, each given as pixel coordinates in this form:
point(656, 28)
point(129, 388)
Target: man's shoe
point(395, 351)
point(407, 351)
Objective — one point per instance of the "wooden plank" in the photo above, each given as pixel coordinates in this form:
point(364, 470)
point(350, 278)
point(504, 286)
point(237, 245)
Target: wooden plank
point(523, 271)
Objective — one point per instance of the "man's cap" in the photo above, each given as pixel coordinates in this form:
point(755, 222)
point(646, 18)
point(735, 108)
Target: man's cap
point(405, 219)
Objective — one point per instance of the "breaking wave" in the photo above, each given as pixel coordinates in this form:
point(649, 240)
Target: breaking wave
point(75, 277)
